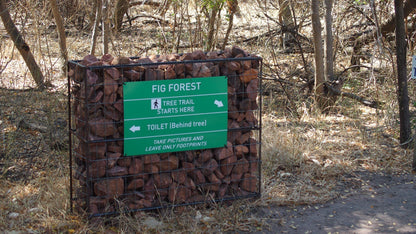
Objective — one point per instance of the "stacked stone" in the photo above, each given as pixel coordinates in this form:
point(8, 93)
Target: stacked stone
point(150, 181)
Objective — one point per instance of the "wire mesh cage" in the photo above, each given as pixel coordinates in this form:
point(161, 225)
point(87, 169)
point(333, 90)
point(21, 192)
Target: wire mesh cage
point(163, 131)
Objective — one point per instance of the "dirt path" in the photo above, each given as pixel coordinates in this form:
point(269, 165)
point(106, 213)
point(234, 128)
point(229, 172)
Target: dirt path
point(383, 204)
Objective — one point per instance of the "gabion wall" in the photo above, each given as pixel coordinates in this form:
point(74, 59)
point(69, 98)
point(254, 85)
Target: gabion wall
point(105, 181)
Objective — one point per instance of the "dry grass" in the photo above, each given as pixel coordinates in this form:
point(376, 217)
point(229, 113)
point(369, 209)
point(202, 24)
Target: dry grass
point(308, 159)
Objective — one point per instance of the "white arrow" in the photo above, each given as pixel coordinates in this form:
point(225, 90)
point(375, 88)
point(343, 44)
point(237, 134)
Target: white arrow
point(218, 103)
point(135, 128)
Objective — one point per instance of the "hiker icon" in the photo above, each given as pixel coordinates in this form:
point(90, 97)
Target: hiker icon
point(156, 104)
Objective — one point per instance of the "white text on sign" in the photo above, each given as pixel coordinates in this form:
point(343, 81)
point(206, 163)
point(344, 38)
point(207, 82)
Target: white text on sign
point(176, 125)
point(179, 87)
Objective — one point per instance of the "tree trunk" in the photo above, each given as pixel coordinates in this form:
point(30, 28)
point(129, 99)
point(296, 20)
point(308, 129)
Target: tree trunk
point(232, 9)
point(122, 6)
point(211, 27)
point(414, 157)
point(21, 45)
point(319, 54)
point(388, 27)
point(61, 33)
point(106, 27)
point(286, 21)
point(405, 128)
point(97, 20)
point(329, 51)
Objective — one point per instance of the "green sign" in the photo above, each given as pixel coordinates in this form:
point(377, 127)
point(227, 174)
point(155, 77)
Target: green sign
point(175, 115)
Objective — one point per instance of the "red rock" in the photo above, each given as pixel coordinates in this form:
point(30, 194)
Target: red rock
point(97, 150)
point(196, 67)
point(114, 147)
point(112, 114)
point(109, 188)
point(249, 183)
point(252, 89)
point(246, 105)
point(219, 174)
point(235, 51)
point(107, 58)
point(169, 164)
point(112, 158)
point(150, 74)
point(135, 184)
point(212, 178)
point(236, 177)
point(97, 169)
point(254, 164)
point(96, 205)
point(251, 119)
point(88, 60)
point(235, 82)
point(252, 146)
point(149, 189)
point(110, 85)
point(186, 57)
point(206, 155)
point(179, 176)
point(113, 72)
point(198, 55)
point(204, 71)
point(124, 162)
point(119, 105)
point(189, 183)
point(136, 166)
point(249, 75)
point(188, 166)
point(151, 158)
point(227, 180)
point(135, 205)
point(117, 171)
point(215, 70)
point(133, 75)
point(151, 168)
point(222, 190)
point(233, 136)
point(209, 167)
point(121, 61)
point(212, 187)
point(165, 156)
point(172, 57)
point(160, 75)
point(241, 116)
point(243, 138)
point(246, 64)
point(212, 55)
point(198, 177)
point(225, 152)
point(170, 72)
point(242, 166)
point(196, 198)
point(162, 180)
point(179, 69)
point(178, 194)
point(233, 66)
point(226, 165)
point(147, 203)
point(102, 127)
point(240, 150)
point(190, 155)
point(98, 97)
point(143, 60)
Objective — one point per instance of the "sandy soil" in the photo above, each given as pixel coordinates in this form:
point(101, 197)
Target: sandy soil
point(382, 204)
